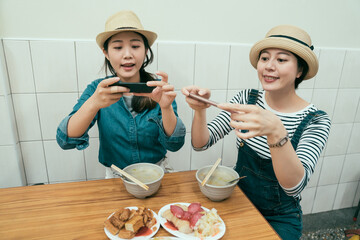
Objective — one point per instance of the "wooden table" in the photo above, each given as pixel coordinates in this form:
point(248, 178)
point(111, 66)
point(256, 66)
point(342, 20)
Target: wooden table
point(77, 210)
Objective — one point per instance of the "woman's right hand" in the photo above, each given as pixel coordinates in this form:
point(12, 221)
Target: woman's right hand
point(106, 95)
point(193, 103)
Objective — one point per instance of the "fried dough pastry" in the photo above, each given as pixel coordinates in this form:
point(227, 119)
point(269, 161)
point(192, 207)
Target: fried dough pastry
point(126, 223)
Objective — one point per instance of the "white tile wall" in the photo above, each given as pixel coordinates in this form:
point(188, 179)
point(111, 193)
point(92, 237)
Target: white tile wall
point(241, 73)
point(63, 165)
point(211, 65)
point(351, 169)
point(11, 168)
point(307, 199)
point(54, 73)
point(345, 195)
point(54, 66)
point(324, 198)
point(6, 129)
point(349, 76)
point(34, 162)
point(94, 169)
point(329, 68)
point(346, 101)
point(27, 117)
point(354, 139)
point(177, 60)
point(330, 173)
point(53, 107)
point(89, 62)
point(19, 64)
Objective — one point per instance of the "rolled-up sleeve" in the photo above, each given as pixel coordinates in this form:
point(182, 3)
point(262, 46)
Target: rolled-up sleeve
point(177, 139)
point(66, 142)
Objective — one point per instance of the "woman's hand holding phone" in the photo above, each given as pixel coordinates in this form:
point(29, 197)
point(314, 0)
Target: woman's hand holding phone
point(106, 95)
point(194, 102)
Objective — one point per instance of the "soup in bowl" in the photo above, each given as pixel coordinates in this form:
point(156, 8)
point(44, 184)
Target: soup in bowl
point(148, 173)
point(217, 188)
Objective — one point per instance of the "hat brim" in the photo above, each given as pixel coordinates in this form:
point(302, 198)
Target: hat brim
point(277, 42)
point(102, 37)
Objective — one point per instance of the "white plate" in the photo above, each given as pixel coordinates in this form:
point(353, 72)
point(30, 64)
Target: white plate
point(154, 231)
point(164, 238)
point(190, 235)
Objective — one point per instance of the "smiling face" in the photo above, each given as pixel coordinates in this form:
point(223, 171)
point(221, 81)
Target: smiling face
point(126, 53)
point(277, 69)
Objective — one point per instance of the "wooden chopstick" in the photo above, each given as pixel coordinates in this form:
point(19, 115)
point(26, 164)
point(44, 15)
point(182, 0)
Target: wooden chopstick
point(210, 172)
point(144, 186)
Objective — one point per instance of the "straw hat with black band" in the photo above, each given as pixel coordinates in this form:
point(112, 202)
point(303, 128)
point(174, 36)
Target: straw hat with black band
point(289, 38)
point(124, 21)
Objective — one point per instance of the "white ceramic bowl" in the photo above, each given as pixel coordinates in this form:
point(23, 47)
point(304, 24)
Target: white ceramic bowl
point(215, 188)
point(148, 173)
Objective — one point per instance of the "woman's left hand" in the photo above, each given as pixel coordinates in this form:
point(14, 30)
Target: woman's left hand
point(163, 93)
point(258, 121)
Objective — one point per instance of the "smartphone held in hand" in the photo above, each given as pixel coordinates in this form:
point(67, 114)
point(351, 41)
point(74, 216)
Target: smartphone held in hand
point(138, 87)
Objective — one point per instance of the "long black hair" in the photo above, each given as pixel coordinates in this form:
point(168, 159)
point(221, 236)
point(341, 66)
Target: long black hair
point(138, 103)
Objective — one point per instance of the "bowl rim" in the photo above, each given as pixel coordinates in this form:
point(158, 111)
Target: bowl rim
point(151, 164)
point(213, 186)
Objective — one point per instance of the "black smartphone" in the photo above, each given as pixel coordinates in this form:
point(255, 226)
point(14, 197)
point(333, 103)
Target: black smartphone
point(138, 87)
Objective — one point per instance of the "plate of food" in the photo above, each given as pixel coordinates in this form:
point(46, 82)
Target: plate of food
point(138, 223)
point(191, 221)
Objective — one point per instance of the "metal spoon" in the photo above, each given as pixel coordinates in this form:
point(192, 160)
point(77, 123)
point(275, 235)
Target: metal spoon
point(234, 180)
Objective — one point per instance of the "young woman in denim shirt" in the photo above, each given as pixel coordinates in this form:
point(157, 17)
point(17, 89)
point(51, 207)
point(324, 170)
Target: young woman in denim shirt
point(133, 128)
point(280, 136)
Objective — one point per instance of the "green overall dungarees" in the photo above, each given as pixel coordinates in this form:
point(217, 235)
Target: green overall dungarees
point(261, 186)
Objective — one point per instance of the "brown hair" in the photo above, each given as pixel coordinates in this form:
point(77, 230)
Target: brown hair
point(138, 103)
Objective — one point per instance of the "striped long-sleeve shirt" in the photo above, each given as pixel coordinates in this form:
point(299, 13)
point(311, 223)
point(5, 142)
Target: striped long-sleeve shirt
point(310, 146)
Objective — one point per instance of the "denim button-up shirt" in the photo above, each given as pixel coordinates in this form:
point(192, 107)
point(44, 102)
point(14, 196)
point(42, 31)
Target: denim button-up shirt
point(125, 139)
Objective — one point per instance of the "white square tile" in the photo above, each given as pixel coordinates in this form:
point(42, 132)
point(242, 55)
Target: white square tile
point(7, 128)
point(89, 60)
point(11, 169)
point(331, 170)
point(18, 57)
point(64, 165)
point(27, 117)
point(345, 195)
point(180, 160)
point(346, 101)
point(305, 94)
point(34, 162)
point(330, 66)
point(153, 67)
point(357, 117)
point(230, 151)
point(54, 66)
point(351, 169)
point(4, 83)
point(207, 157)
point(54, 107)
point(184, 111)
point(357, 196)
point(94, 169)
point(351, 69)
point(324, 198)
point(242, 74)
point(325, 100)
point(314, 178)
point(211, 65)
point(307, 199)
point(177, 60)
point(354, 139)
point(338, 141)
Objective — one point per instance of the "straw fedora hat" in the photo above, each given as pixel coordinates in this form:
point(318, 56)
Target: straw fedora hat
point(124, 21)
point(292, 39)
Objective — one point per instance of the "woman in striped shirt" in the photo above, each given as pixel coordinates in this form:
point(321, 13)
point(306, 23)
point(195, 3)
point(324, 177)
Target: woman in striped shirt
point(280, 136)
